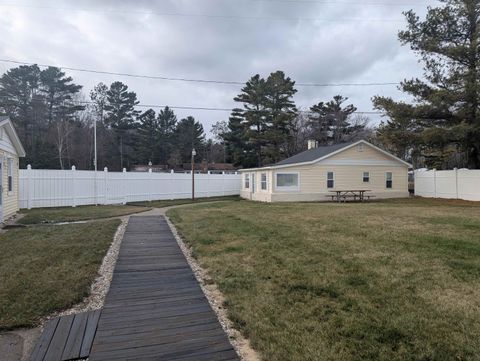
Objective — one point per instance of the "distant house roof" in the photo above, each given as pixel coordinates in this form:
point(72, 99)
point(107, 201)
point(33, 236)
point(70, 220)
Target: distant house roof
point(6, 123)
point(313, 154)
point(320, 153)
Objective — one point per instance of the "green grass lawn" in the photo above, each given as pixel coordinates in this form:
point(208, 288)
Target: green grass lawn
point(393, 280)
point(175, 202)
point(48, 268)
point(70, 214)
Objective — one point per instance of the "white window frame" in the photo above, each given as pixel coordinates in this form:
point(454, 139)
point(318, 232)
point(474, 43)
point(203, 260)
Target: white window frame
point(386, 179)
point(287, 188)
point(334, 181)
point(262, 182)
point(10, 178)
point(363, 177)
point(246, 181)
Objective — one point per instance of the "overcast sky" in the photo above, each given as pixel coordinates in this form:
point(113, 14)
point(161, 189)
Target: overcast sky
point(351, 41)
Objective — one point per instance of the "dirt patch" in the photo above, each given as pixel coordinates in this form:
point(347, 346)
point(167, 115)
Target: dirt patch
point(216, 300)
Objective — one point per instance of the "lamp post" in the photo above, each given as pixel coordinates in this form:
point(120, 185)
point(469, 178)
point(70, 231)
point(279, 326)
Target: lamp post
point(95, 160)
point(194, 153)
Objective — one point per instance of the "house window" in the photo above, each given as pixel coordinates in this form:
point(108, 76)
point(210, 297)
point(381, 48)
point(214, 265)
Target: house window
point(360, 147)
point(388, 180)
point(10, 174)
point(247, 181)
point(330, 180)
point(366, 177)
point(263, 181)
point(287, 181)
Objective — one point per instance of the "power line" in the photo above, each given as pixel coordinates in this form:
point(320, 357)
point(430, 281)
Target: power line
point(211, 16)
point(227, 82)
point(398, 4)
point(187, 107)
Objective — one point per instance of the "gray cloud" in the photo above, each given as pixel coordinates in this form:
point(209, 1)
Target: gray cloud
point(135, 38)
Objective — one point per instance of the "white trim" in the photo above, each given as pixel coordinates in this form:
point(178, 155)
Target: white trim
point(334, 180)
point(266, 181)
point(287, 188)
point(245, 178)
point(8, 125)
point(367, 163)
point(386, 179)
point(363, 176)
point(330, 155)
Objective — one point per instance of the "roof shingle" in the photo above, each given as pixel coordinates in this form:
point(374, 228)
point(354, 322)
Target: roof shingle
point(313, 154)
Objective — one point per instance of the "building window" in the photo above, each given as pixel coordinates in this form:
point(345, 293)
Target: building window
point(10, 174)
point(330, 180)
point(360, 147)
point(247, 181)
point(389, 179)
point(263, 181)
point(287, 181)
point(366, 177)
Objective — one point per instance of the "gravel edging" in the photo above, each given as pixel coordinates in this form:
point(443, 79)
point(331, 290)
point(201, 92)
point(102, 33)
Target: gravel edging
point(216, 299)
point(101, 285)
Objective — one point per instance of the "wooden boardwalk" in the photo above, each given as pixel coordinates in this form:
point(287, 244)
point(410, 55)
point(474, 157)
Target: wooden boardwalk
point(67, 337)
point(155, 309)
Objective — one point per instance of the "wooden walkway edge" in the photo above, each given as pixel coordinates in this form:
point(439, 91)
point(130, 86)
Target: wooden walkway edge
point(155, 308)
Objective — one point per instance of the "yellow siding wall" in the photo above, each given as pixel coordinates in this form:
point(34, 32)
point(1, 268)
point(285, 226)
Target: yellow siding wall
point(348, 167)
point(10, 199)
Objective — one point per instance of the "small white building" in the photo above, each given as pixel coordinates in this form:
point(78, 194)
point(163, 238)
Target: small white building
point(315, 174)
point(11, 150)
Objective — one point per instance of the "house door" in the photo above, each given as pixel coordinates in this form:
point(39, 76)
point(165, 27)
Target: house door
point(1, 191)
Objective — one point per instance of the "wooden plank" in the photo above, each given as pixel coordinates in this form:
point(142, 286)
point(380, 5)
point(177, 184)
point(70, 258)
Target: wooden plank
point(75, 338)
point(43, 343)
point(59, 339)
point(90, 330)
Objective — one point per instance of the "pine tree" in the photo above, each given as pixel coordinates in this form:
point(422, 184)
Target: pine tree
point(147, 137)
point(254, 114)
point(446, 108)
point(239, 150)
point(21, 100)
point(281, 115)
point(120, 115)
point(167, 122)
point(189, 134)
point(330, 122)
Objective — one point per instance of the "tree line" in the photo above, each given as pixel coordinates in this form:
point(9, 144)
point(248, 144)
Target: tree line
point(54, 120)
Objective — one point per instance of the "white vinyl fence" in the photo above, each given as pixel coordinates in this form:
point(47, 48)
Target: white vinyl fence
point(454, 184)
point(58, 188)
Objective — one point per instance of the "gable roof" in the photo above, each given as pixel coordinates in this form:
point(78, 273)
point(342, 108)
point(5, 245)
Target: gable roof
point(317, 154)
point(7, 124)
point(313, 154)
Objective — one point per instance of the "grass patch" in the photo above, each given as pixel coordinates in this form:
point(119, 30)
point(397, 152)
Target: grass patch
point(386, 280)
point(44, 269)
point(71, 214)
point(176, 202)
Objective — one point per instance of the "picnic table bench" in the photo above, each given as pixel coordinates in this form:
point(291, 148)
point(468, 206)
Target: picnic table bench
point(354, 194)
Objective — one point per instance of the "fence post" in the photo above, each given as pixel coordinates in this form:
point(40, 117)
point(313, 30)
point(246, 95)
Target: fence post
point(105, 172)
point(434, 183)
point(208, 183)
point(29, 186)
point(172, 181)
point(74, 201)
point(124, 172)
point(150, 193)
point(223, 183)
point(456, 181)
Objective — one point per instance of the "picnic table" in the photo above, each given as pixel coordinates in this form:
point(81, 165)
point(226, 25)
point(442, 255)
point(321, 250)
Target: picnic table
point(344, 194)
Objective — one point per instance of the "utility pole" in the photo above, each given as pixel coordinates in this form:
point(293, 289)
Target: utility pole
point(194, 153)
point(95, 159)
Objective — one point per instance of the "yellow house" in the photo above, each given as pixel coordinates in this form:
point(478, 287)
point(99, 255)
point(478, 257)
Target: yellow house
point(11, 150)
point(317, 173)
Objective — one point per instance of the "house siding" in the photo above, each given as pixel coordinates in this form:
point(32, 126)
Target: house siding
point(10, 199)
point(348, 167)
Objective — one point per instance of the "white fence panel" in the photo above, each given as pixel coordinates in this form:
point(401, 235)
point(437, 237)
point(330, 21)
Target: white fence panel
point(60, 188)
point(449, 184)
